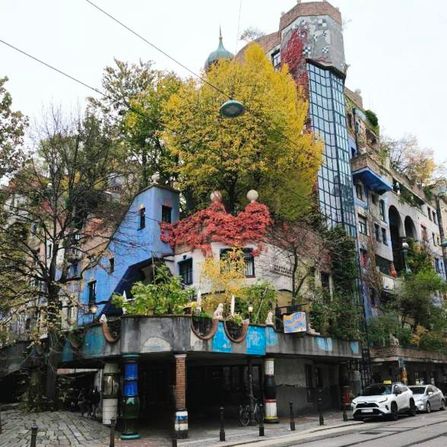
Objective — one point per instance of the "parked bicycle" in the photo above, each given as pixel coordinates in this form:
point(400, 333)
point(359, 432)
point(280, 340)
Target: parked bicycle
point(244, 414)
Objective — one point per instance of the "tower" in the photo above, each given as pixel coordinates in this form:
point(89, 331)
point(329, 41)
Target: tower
point(221, 53)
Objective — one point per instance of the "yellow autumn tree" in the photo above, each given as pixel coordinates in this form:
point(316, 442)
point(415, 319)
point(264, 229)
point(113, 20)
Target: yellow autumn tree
point(267, 148)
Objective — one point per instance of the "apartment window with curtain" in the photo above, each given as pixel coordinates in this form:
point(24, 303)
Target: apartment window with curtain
point(363, 225)
point(382, 210)
point(377, 232)
point(384, 236)
point(185, 271)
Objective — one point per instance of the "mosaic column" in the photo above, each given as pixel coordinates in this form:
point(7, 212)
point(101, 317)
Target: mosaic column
point(181, 414)
point(131, 403)
point(271, 410)
point(109, 392)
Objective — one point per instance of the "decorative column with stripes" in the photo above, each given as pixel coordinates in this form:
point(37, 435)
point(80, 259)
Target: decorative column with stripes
point(131, 402)
point(271, 410)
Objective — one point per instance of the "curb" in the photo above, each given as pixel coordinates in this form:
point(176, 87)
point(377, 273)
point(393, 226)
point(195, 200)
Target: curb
point(278, 440)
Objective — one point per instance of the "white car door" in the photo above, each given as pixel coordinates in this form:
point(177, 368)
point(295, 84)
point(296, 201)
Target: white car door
point(401, 397)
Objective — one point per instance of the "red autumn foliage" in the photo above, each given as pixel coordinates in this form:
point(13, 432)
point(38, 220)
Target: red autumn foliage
point(292, 55)
point(214, 224)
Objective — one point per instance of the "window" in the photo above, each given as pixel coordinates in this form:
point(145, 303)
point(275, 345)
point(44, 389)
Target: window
point(111, 265)
point(325, 281)
point(49, 251)
point(374, 199)
point(429, 212)
point(359, 191)
point(75, 269)
point(363, 226)
point(437, 266)
point(91, 292)
point(382, 210)
point(248, 258)
point(185, 271)
point(433, 238)
point(276, 59)
point(424, 233)
point(349, 119)
point(166, 214)
point(249, 263)
point(33, 228)
point(384, 236)
point(142, 218)
point(377, 232)
point(435, 217)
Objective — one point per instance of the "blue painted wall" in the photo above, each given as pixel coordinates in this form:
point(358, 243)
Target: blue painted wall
point(130, 247)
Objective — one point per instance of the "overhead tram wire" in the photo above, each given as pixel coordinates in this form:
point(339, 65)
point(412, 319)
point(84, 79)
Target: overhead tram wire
point(156, 47)
point(90, 87)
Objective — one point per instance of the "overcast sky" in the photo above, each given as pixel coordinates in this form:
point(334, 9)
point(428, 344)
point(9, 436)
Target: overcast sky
point(396, 49)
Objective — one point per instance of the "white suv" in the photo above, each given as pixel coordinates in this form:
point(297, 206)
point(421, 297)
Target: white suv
point(383, 400)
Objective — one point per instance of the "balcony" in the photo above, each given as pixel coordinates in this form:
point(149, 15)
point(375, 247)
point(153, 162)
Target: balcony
point(162, 336)
point(368, 171)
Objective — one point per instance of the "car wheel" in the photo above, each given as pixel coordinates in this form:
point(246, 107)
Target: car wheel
point(394, 416)
point(428, 407)
point(412, 411)
point(442, 404)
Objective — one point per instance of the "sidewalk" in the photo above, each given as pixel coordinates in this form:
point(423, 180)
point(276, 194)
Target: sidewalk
point(66, 429)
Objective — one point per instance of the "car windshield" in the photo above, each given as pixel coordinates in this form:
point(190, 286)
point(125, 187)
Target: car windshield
point(376, 390)
point(417, 389)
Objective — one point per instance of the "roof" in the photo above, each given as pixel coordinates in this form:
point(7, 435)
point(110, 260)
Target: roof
point(220, 54)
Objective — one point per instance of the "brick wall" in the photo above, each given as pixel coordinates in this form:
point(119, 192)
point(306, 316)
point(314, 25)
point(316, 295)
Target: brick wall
point(180, 382)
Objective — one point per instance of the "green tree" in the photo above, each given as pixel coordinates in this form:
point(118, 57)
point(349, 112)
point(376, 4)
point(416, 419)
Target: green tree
point(134, 98)
point(59, 205)
point(268, 148)
point(12, 129)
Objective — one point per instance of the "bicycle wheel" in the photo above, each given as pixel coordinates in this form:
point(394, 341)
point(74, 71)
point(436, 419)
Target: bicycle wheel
point(244, 416)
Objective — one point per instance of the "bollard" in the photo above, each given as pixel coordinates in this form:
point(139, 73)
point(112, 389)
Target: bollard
point(222, 429)
point(345, 415)
point(34, 429)
point(261, 419)
point(292, 417)
point(112, 432)
point(319, 408)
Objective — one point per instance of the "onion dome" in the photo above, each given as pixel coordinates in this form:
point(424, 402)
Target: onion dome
point(220, 54)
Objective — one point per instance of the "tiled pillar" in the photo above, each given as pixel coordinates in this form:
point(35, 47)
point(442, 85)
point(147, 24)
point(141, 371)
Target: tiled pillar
point(131, 402)
point(109, 392)
point(271, 410)
point(181, 414)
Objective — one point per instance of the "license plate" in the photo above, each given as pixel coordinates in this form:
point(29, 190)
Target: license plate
point(367, 410)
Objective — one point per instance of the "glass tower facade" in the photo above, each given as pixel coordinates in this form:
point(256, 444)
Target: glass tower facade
point(328, 121)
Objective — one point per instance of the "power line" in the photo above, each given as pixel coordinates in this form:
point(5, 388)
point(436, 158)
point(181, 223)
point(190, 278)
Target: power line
point(57, 70)
point(249, 110)
point(74, 79)
point(128, 28)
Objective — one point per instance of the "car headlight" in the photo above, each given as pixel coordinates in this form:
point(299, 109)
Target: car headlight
point(382, 401)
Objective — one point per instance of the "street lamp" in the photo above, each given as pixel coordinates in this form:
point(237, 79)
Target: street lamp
point(405, 248)
point(232, 109)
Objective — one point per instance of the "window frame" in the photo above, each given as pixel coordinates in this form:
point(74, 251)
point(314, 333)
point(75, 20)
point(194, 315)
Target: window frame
point(384, 236)
point(142, 218)
point(92, 292)
point(164, 210)
point(189, 273)
point(363, 224)
point(382, 210)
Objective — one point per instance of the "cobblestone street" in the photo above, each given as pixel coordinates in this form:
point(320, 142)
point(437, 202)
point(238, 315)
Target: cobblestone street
point(68, 429)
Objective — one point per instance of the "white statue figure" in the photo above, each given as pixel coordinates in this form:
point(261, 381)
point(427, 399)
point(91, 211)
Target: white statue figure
point(103, 319)
point(269, 319)
point(218, 313)
point(216, 196)
point(394, 341)
point(155, 178)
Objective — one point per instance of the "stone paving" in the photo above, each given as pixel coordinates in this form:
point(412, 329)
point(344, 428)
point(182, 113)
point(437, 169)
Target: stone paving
point(68, 429)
